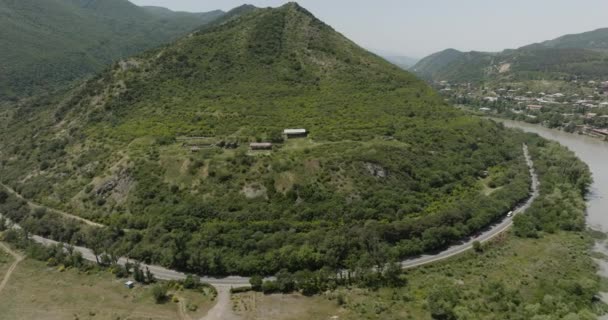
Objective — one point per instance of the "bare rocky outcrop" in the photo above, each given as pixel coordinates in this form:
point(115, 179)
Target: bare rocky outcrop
point(255, 190)
point(116, 187)
point(376, 170)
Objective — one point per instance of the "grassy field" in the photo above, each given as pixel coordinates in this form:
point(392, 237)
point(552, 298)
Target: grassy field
point(5, 262)
point(36, 291)
point(513, 278)
point(534, 274)
point(254, 306)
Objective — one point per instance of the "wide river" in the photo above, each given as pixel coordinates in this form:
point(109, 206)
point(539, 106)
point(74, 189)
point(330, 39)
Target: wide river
point(595, 153)
point(591, 150)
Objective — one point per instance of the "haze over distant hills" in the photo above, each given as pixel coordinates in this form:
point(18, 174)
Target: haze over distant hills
point(47, 44)
point(404, 62)
point(400, 60)
point(577, 55)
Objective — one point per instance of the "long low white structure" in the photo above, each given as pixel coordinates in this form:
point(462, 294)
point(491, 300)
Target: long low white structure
point(294, 133)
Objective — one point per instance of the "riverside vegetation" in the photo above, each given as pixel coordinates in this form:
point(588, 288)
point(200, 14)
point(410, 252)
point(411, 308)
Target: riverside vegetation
point(387, 163)
point(540, 270)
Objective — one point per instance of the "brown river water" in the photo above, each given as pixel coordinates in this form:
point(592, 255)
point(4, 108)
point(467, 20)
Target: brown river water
point(595, 153)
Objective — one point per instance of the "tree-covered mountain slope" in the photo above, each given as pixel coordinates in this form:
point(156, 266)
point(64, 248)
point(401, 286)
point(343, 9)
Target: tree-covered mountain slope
point(596, 39)
point(46, 44)
point(159, 144)
point(582, 55)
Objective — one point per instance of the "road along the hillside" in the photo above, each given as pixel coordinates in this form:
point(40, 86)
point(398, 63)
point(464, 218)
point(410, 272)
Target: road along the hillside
point(236, 281)
point(488, 235)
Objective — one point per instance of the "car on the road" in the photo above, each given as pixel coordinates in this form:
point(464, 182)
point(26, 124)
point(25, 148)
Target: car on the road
point(510, 214)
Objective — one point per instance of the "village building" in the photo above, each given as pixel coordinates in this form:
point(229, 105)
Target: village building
point(260, 146)
point(534, 107)
point(295, 133)
point(485, 109)
point(130, 284)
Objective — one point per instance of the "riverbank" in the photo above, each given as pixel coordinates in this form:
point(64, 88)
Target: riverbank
point(591, 151)
point(594, 152)
point(543, 269)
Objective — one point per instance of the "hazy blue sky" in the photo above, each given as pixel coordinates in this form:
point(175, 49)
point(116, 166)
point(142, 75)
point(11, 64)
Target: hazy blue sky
point(421, 27)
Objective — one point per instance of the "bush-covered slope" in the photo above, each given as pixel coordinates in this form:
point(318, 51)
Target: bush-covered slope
point(46, 44)
point(597, 39)
point(158, 144)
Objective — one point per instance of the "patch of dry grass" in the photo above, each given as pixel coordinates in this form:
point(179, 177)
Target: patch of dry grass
point(36, 291)
point(257, 306)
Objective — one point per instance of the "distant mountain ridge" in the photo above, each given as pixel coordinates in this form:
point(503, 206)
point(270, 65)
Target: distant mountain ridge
point(404, 62)
point(580, 55)
point(597, 39)
point(47, 44)
point(204, 17)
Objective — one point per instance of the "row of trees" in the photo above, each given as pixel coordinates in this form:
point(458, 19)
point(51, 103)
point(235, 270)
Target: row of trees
point(565, 182)
point(314, 282)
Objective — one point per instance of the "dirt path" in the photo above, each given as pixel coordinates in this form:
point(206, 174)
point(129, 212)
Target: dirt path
point(182, 312)
point(222, 310)
point(36, 206)
point(18, 258)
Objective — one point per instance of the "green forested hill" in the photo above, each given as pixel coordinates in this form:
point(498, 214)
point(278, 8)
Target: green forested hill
point(159, 144)
point(46, 44)
point(597, 39)
point(582, 55)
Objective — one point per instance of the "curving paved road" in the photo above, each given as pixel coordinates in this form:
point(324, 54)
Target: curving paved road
point(234, 281)
point(488, 235)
